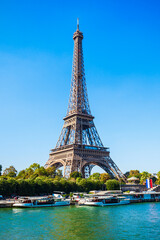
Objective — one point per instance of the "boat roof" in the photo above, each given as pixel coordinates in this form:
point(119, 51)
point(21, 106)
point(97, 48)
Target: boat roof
point(36, 197)
point(105, 192)
point(140, 193)
point(100, 197)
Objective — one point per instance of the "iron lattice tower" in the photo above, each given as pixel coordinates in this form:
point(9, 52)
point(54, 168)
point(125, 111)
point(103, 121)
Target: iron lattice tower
point(79, 147)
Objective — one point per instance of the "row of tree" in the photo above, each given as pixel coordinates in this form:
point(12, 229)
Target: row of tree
point(41, 185)
point(38, 180)
point(35, 170)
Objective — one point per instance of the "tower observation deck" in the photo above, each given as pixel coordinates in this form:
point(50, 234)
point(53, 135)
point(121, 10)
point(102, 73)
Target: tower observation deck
point(79, 147)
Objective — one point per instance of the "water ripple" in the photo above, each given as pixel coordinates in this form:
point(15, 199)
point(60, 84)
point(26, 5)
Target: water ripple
point(136, 221)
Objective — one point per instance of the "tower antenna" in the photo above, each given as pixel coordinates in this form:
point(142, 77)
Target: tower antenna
point(77, 23)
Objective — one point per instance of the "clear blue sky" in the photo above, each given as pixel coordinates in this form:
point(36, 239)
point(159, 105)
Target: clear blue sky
point(122, 64)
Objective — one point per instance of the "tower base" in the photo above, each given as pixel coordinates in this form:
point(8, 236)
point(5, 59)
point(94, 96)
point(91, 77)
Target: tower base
point(82, 158)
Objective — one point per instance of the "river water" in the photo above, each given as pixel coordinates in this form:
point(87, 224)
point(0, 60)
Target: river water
point(134, 221)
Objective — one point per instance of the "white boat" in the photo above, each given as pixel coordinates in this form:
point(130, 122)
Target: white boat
point(146, 196)
point(48, 201)
point(101, 201)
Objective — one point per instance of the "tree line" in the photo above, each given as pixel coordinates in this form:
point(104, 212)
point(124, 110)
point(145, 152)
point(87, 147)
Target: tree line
point(36, 180)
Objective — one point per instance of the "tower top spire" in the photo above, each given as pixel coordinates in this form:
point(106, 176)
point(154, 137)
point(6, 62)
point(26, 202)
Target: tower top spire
point(78, 100)
point(77, 23)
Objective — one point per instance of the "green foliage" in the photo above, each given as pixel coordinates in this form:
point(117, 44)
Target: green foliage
point(144, 176)
point(86, 185)
point(112, 184)
point(51, 171)
point(37, 180)
point(34, 171)
point(75, 175)
point(34, 166)
point(158, 181)
point(134, 173)
point(21, 174)
point(94, 176)
point(104, 177)
point(158, 178)
point(59, 173)
point(28, 172)
point(78, 180)
point(45, 185)
point(158, 175)
point(41, 171)
point(10, 172)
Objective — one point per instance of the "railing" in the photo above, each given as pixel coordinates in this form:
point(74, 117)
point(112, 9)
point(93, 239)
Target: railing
point(87, 147)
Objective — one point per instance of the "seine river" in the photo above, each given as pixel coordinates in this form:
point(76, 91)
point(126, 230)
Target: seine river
point(135, 221)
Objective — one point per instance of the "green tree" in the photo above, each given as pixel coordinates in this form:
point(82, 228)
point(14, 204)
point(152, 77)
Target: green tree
point(29, 172)
point(51, 171)
point(12, 186)
point(41, 171)
point(75, 175)
point(57, 185)
point(94, 176)
point(65, 186)
point(112, 184)
point(78, 180)
point(134, 173)
point(158, 175)
point(144, 176)
point(41, 185)
point(24, 188)
point(34, 166)
point(32, 172)
point(4, 186)
point(158, 178)
point(21, 174)
point(104, 177)
point(10, 172)
point(86, 185)
point(59, 173)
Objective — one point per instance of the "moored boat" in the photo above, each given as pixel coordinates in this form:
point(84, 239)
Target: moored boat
point(146, 196)
point(48, 201)
point(104, 201)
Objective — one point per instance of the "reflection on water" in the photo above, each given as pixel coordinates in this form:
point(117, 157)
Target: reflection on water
point(153, 213)
point(80, 223)
point(136, 221)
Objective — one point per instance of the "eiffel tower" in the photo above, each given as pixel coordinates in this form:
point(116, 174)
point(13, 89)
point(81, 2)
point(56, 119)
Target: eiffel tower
point(79, 147)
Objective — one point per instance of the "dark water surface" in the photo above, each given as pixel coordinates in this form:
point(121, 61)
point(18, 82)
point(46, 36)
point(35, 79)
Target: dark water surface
point(135, 221)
